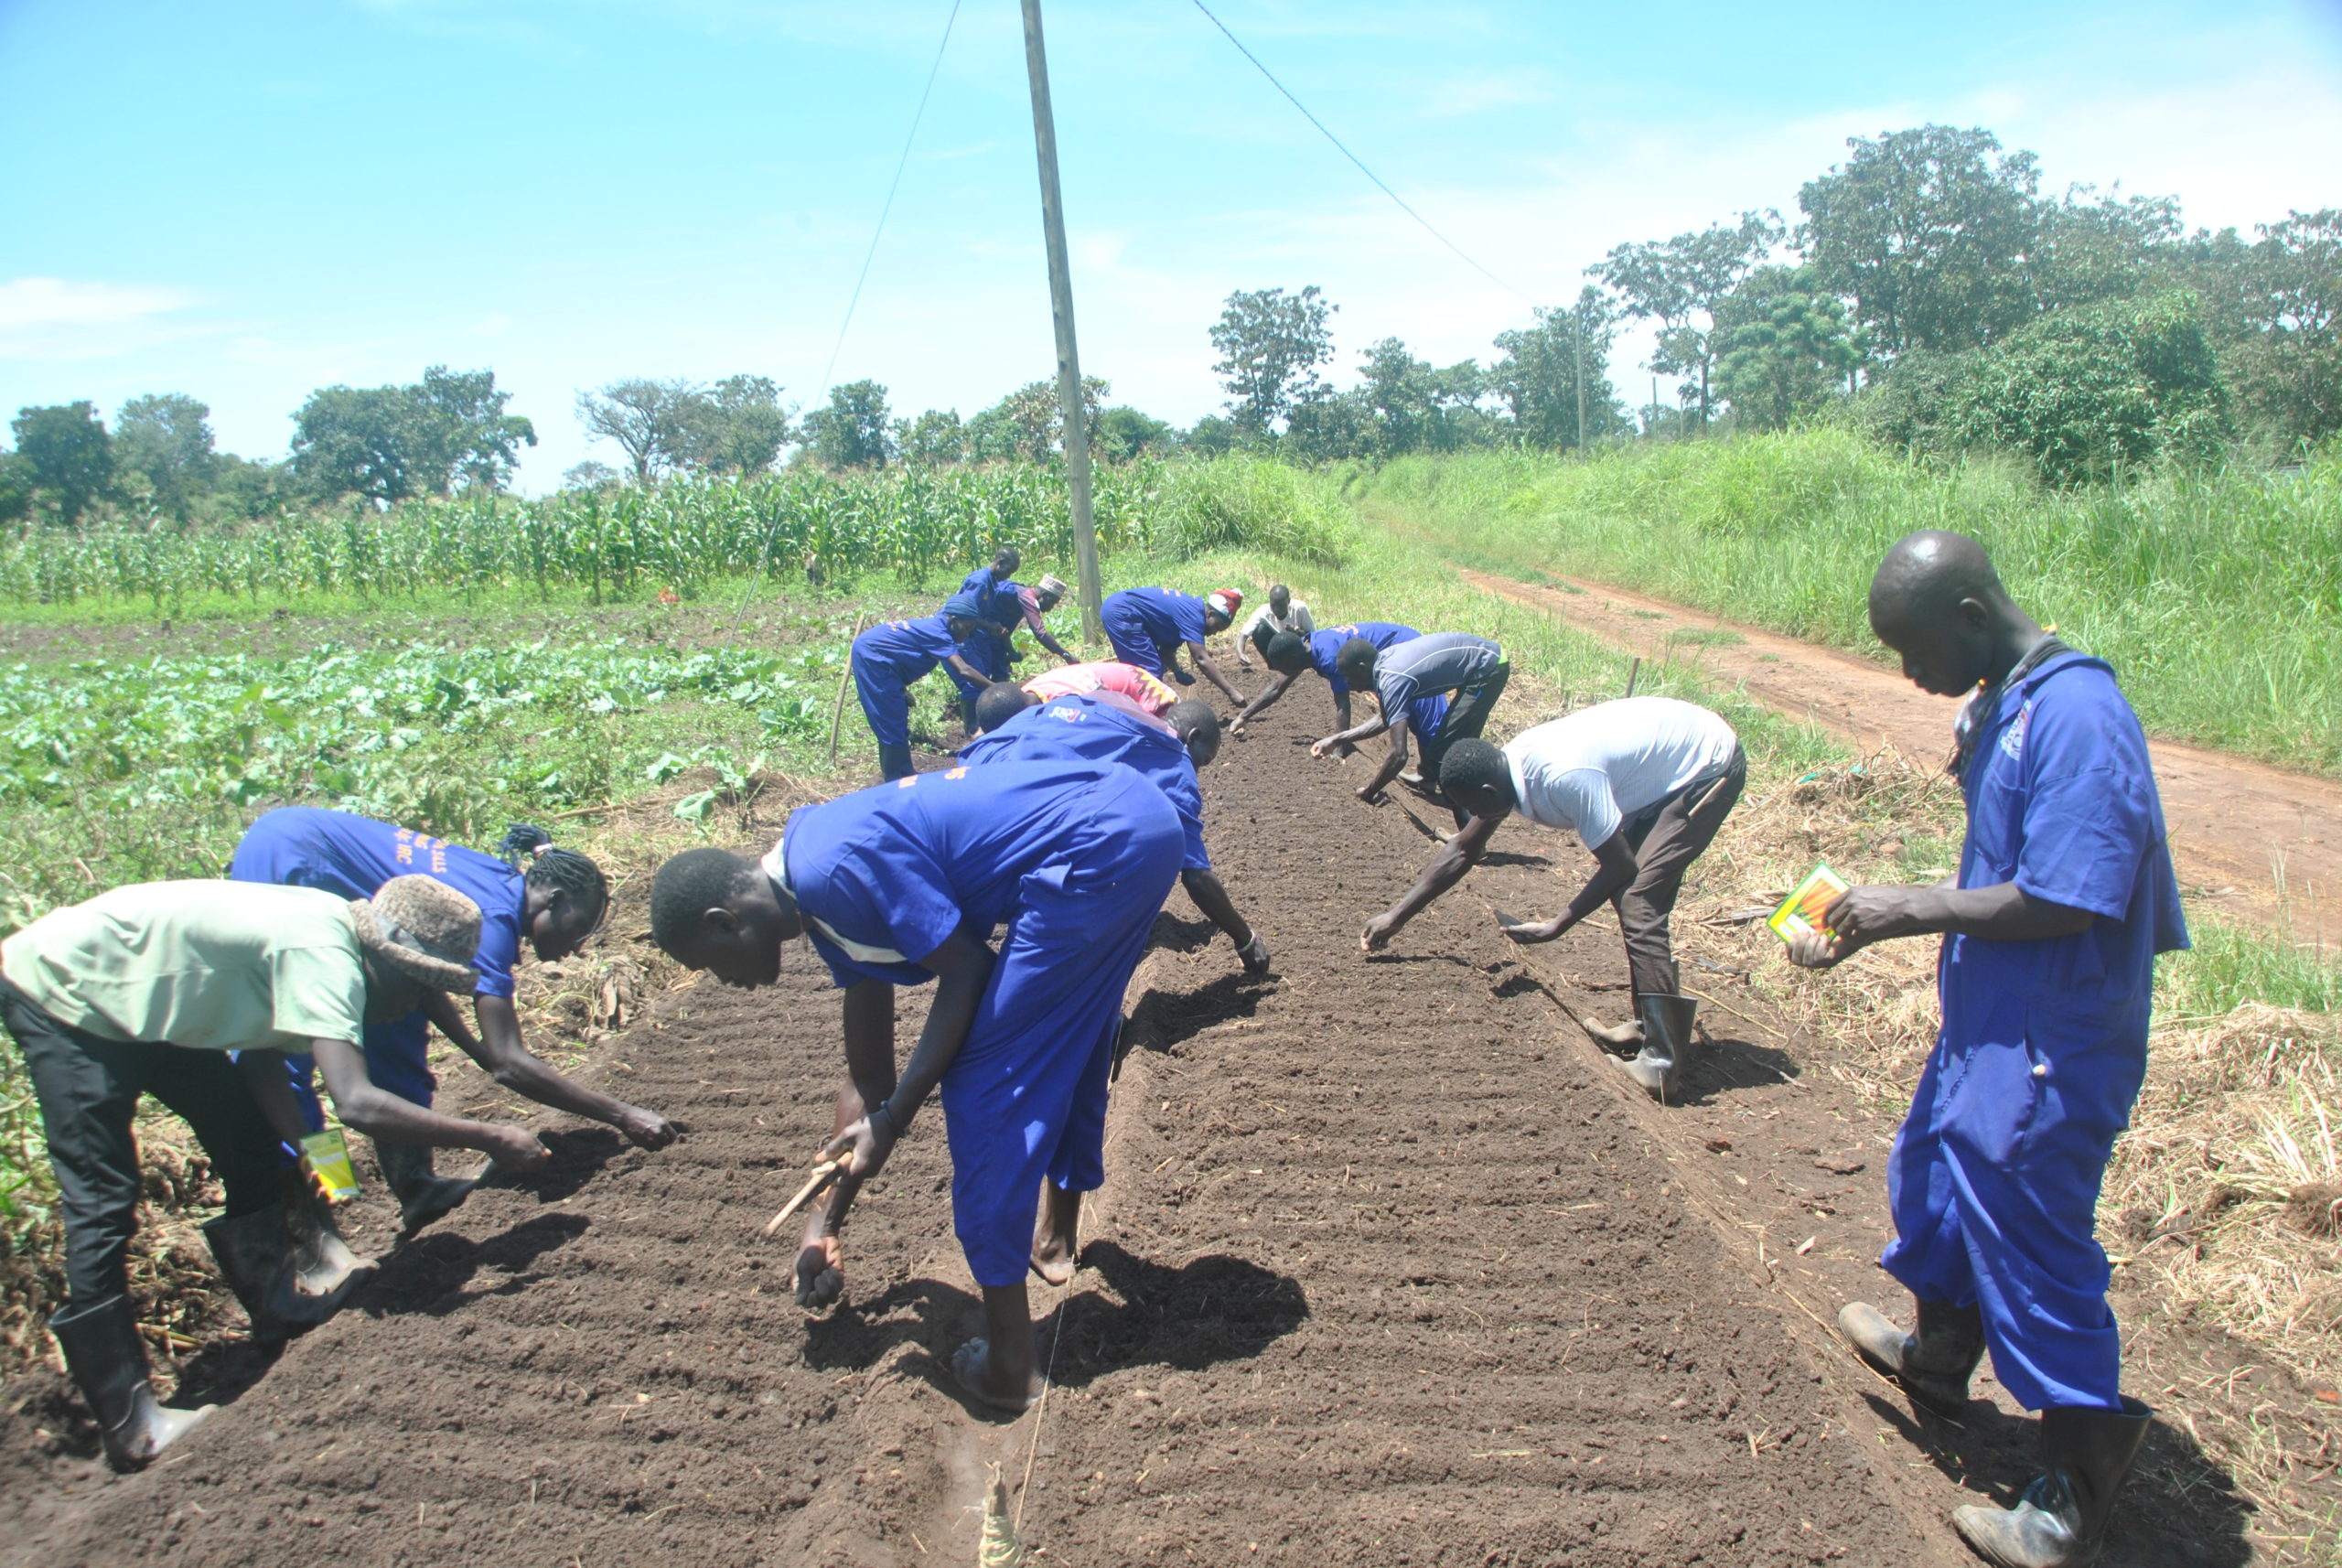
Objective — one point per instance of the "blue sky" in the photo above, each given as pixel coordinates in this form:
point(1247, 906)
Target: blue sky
point(247, 200)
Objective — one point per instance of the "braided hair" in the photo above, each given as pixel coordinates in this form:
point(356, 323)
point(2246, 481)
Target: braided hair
point(529, 849)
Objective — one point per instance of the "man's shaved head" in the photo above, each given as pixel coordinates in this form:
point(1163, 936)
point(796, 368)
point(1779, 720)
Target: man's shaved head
point(1197, 724)
point(998, 704)
point(1280, 598)
point(1936, 601)
point(1287, 653)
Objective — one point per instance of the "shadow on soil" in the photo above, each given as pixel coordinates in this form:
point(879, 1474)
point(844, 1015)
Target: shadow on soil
point(1214, 1309)
point(429, 1274)
point(2177, 1508)
point(1164, 1019)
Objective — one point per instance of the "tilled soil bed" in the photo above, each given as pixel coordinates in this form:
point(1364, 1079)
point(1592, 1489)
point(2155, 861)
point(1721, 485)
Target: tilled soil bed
point(1391, 1267)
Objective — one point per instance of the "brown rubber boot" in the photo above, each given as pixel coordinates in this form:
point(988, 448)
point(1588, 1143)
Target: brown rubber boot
point(1934, 1363)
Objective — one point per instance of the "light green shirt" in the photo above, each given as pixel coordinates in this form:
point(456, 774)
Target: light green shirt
point(213, 966)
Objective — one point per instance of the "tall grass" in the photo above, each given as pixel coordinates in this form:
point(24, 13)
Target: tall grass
point(2218, 597)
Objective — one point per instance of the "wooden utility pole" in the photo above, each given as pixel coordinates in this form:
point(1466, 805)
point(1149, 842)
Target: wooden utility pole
point(1076, 434)
point(1577, 352)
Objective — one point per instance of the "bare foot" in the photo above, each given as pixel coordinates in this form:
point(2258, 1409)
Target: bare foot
point(971, 1368)
point(820, 1268)
point(1056, 1239)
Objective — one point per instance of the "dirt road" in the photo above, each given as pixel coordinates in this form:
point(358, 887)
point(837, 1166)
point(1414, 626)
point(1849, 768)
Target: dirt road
point(1391, 1267)
point(2240, 829)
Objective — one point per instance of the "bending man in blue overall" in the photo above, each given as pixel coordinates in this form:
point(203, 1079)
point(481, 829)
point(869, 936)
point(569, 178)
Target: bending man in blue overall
point(903, 884)
point(556, 897)
point(1105, 726)
point(890, 656)
point(2065, 896)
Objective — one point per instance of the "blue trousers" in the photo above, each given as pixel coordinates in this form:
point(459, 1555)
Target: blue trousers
point(397, 1060)
point(886, 702)
point(1027, 1095)
point(1994, 1182)
point(1132, 644)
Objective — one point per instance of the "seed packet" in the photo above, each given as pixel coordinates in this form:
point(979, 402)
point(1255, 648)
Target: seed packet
point(326, 1156)
point(1801, 911)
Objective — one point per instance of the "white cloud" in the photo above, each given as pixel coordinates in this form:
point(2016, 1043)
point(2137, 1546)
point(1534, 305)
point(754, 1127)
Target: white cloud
point(37, 303)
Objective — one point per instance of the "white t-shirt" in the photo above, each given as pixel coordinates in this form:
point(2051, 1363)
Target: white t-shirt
point(1595, 768)
point(1297, 619)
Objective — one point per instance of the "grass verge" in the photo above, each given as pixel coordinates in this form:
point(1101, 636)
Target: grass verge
point(2218, 597)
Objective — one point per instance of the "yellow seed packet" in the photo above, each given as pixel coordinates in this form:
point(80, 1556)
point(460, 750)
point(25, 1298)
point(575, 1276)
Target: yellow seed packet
point(1801, 911)
point(326, 1156)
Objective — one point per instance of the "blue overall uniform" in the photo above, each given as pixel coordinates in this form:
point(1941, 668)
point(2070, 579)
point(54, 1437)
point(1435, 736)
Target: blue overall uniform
point(1140, 623)
point(1081, 728)
point(303, 846)
point(1075, 859)
point(885, 659)
point(1995, 1176)
point(998, 609)
point(1325, 645)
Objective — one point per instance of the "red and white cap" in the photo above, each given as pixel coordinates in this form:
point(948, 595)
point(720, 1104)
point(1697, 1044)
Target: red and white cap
point(1227, 601)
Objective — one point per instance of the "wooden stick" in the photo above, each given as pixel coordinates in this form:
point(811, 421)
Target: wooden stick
point(824, 1174)
point(837, 709)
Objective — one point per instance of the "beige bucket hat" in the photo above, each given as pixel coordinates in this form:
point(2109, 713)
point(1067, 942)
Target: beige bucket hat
point(422, 927)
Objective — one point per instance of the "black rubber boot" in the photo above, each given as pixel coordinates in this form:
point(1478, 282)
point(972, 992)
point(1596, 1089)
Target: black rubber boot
point(1933, 1363)
point(895, 762)
point(288, 1281)
point(1668, 1045)
point(108, 1361)
point(424, 1194)
point(2060, 1522)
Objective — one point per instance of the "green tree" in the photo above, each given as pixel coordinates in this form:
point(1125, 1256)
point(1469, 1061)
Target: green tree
point(2289, 301)
point(458, 429)
point(1120, 435)
point(356, 440)
point(1786, 347)
point(647, 420)
point(737, 426)
point(852, 430)
point(1539, 376)
point(1029, 423)
point(2086, 247)
point(1271, 344)
point(2085, 393)
point(66, 449)
point(1212, 436)
point(167, 437)
point(1328, 427)
point(1927, 231)
point(1409, 406)
point(15, 488)
point(934, 438)
point(1676, 283)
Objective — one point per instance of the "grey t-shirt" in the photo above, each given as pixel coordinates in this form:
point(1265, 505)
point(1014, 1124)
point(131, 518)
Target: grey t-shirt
point(1443, 662)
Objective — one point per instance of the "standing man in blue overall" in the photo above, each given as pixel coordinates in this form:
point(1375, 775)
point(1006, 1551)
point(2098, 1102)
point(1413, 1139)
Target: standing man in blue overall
point(1148, 627)
point(903, 884)
point(556, 897)
point(890, 656)
point(1003, 603)
point(1105, 727)
point(2065, 896)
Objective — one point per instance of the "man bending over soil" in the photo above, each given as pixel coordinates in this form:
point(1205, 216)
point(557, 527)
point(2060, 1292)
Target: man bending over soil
point(1471, 668)
point(903, 884)
point(1148, 627)
point(2065, 896)
point(147, 990)
point(1103, 727)
point(555, 896)
point(1644, 783)
point(1289, 655)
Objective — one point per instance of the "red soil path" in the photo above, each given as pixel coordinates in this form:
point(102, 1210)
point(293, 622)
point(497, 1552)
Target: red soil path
point(2237, 827)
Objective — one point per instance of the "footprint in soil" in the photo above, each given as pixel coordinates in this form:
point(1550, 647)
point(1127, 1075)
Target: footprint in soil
point(1214, 1309)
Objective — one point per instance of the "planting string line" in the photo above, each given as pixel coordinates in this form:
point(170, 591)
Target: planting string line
point(1345, 151)
point(919, 115)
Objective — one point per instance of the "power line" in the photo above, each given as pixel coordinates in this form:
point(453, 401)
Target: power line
point(1461, 253)
point(764, 556)
point(888, 206)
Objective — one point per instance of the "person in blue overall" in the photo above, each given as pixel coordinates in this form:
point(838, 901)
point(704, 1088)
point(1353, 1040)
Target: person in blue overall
point(1289, 655)
point(2065, 896)
point(903, 883)
point(889, 657)
point(1104, 726)
point(553, 898)
point(1474, 669)
point(1148, 627)
point(1004, 604)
